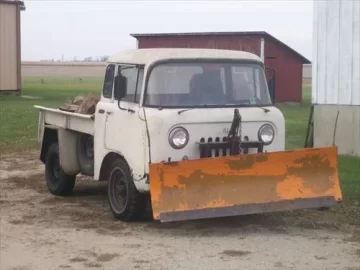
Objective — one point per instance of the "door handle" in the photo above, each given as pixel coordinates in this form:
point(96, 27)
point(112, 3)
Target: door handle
point(101, 111)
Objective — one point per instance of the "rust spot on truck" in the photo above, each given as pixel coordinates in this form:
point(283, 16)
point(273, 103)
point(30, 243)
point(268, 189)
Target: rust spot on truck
point(261, 158)
point(315, 171)
point(172, 163)
point(246, 161)
point(243, 163)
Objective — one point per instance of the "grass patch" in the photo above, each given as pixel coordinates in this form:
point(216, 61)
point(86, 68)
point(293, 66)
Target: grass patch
point(296, 119)
point(19, 120)
point(349, 170)
point(18, 117)
point(306, 95)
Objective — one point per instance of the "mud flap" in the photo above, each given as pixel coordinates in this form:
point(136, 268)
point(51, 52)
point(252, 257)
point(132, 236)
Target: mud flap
point(246, 184)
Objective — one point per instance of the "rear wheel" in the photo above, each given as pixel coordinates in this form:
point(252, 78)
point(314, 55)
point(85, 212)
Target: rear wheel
point(58, 182)
point(85, 153)
point(126, 203)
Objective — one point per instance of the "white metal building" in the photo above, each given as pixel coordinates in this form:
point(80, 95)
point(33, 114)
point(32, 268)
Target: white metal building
point(336, 75)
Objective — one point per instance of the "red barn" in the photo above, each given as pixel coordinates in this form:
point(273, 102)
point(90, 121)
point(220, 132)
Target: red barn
point(287, 63)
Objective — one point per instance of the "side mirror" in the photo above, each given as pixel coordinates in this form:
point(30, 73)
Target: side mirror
point(120, 87)
point(272, 84)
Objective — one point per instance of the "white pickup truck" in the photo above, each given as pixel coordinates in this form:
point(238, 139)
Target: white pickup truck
point(160, 106)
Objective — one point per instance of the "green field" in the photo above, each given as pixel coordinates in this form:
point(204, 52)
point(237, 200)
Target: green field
point(19, 119)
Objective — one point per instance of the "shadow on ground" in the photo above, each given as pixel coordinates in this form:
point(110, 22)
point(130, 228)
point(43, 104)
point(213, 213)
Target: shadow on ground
point(87, 208)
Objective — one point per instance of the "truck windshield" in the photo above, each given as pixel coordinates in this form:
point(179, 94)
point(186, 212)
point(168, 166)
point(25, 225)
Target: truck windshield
point(188, 85)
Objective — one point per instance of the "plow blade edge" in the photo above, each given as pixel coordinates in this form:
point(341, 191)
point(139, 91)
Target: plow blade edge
point(246, 184)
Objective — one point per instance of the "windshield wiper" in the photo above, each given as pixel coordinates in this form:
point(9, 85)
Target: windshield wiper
point(255, 106)
point(185, 110)
point(188, 109)
point(264, 109)
point(242, 105)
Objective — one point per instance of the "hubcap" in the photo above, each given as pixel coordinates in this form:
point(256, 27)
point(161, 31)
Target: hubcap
point(118, 190)
point(89, 147)
point(54, 171)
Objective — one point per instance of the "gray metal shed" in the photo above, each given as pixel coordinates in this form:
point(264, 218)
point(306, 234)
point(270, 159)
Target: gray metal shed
point(10, 46)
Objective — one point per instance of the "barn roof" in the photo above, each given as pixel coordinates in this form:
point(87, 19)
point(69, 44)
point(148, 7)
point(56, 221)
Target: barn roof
point(247, 33)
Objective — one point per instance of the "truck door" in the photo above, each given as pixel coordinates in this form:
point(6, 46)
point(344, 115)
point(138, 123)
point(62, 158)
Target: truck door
point(104, 105)
point(125, 131)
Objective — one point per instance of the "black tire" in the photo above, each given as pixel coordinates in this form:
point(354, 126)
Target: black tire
point(126, 203)
point(58, 182)
point(85, 153)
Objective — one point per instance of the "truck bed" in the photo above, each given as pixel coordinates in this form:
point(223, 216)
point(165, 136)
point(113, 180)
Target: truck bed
point(83, 123)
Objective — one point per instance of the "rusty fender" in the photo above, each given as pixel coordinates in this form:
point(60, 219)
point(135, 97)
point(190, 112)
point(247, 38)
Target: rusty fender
point(238, 185)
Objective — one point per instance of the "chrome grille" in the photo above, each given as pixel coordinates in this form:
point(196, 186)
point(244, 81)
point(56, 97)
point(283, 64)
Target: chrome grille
point(218, 152)
point(217, 147)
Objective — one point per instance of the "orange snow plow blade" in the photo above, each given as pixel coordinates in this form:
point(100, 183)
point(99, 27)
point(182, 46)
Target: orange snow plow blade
point(246, 184)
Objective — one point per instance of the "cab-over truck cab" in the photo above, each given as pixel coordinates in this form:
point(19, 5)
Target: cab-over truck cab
point(160, 105)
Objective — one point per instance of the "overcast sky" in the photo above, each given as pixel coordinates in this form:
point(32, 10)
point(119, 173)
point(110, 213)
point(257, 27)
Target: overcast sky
point(84, 28)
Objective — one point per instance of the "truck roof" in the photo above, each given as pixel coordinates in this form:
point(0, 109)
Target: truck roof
point(149, 56)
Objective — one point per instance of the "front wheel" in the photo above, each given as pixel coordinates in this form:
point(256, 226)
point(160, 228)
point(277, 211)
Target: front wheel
point(126, 203)
point(58, 182)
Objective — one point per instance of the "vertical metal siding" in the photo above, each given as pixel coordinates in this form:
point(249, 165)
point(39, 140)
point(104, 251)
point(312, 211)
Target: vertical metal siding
point(18, 42)
point(336, 55)
point(9, 50)
point(356, 53)
point(345, 80)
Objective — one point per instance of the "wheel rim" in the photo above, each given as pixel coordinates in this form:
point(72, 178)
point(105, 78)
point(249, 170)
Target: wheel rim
point(55, 171)
point(118, 190)
point(89, 147)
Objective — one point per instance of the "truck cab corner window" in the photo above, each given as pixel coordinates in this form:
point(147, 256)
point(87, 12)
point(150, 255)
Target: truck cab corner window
point(140, 79)
point(128, 86)
point(108, 81)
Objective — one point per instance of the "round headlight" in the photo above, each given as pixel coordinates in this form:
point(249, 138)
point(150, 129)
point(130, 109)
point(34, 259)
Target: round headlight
point(266, 134)
point(178, 137)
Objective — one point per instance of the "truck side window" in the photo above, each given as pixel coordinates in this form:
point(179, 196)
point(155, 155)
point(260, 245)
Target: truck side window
point(139, 85)
point(131, 73)
point(108, 81)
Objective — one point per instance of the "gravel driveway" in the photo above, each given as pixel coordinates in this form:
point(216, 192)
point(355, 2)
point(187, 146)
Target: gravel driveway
point(39, 231)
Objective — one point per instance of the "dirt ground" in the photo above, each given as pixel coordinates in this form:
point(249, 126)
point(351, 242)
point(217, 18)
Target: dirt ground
point(40, 231)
